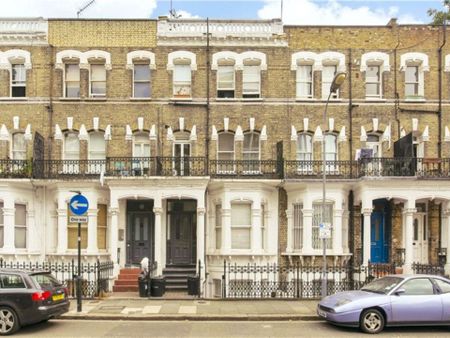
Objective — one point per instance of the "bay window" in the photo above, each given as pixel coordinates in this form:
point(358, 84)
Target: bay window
point(317, 242)
point(297, 229)
point(218, 227)
point(20, 226)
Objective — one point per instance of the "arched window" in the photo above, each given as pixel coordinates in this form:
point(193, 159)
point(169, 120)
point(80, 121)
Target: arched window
point(251, 152)
point(97, 152)
point(71, 153)
point(331, 155)
point(181, 153)
point(304, 147)
point(19, 147)
point(141, 154)
point(225, 153)
point(373, 143)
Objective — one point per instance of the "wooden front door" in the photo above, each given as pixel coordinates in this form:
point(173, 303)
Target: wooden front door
point(182, 232)
point(140, 231)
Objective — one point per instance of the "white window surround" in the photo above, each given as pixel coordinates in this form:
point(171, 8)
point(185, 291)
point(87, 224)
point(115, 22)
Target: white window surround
point(141, 55)
point(228, 56)
point(332, 58)
point(375, 58)
point(183, 55)
point(13, 56)
point(421, 61)
point(83, 57)
point(305, 58)
point(252, 56)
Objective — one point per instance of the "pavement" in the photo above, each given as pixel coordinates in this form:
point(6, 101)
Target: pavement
point(135, 308)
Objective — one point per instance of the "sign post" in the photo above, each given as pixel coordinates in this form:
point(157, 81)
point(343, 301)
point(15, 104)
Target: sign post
point(79, 205)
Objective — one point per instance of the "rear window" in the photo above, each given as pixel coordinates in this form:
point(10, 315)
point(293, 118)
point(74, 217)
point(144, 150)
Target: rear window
point(11, 282)
point(45, 280)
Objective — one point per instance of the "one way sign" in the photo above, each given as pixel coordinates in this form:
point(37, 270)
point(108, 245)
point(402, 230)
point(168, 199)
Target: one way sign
point(79, 205)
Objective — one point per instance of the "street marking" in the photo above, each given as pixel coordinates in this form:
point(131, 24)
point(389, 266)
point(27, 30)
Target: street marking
point(188, 309)
point(129, 310)
point(151, 309)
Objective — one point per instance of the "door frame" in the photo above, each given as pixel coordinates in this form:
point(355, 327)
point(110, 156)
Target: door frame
point(193, 233)
point(130, 242)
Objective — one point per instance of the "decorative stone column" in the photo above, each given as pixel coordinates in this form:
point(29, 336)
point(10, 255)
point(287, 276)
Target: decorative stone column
point(158, 211)
point(201, 244)
point(307, 230)
point(337, 229)
point(92, 246)
point(408, 213)
point(256, 244)
point(290, 226)
point(226, 231)
point(367, 212)
point(8, 226)
point(113, 236)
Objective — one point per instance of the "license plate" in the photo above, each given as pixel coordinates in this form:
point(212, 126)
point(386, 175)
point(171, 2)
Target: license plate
point(322, 313)
point(58, 297)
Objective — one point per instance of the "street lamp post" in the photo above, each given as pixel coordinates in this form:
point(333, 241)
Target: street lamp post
point(338, 80)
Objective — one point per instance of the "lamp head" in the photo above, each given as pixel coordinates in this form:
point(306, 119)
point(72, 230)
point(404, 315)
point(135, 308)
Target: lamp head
point(338, 80)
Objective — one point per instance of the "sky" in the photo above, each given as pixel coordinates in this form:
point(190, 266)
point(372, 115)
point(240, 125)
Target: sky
point(294, 12)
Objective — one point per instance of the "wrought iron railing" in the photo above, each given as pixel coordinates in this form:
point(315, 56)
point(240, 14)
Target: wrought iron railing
point(424, 168)
point(244, 169)
point(295, 281)
point(314, 169)
point(15, 168)
point(428, 269)
point(95, 277)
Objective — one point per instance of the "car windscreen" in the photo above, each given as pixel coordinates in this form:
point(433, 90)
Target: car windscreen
point(382, 285)
point(45, 280)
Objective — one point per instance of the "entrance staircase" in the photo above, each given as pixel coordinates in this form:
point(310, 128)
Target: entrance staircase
point(177, 275)
point(127, 280)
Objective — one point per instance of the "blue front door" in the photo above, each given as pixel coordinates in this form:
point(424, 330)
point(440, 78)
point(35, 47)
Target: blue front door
point(378, 243)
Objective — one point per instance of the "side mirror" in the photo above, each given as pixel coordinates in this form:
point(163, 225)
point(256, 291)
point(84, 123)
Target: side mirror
point(400, 291)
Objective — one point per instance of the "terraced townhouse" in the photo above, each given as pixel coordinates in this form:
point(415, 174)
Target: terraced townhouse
point(199, 142)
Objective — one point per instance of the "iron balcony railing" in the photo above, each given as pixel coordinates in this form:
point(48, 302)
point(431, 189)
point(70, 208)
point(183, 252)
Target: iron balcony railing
point(314, 169)
point(244, 169)
point(15, 168)
point(423, 168)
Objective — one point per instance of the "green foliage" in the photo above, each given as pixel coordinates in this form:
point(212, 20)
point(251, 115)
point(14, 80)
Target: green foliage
point(437, 16)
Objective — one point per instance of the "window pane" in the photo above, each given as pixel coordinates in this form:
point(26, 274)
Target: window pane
point(240, 238)
point(372, 89)
point(12, 282)
point(72, 147)
point(411, 74)
point(225, 77)
point(411, 89)
point(20, 238)
point(304, 143)
point(98, 73)
point(97, 146)
point(373, 74)
point(72, 89)
point(1, 213)
point(142, 89)
point(141, 73)
point(101, 226)
point(20, 214)
point(19, 146)
point(240, 214)
point(226, 142)
point(72, 73)
point(317, 219)
point(251, 142)
point(182, 73)
point(298, 227)
point(251, 79)
point(418, 286)
point(19, 74)
point(98, 88)
point(444, 286)
point(218, 226)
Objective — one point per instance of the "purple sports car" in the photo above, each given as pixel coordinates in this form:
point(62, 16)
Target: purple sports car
point(392, 300)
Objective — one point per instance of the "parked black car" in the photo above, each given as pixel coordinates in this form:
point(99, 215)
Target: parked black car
point(28, 297)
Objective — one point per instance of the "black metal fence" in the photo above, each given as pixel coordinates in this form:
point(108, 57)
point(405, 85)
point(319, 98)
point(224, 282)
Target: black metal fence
point(295, 281)
point(244, 169)
point(428, 269)
point(95, 277)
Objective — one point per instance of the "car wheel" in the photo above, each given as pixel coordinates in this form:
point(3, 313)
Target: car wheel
point(372, 321)
point(9, 323)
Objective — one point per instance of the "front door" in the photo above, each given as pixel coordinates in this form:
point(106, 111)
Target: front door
point(181, 153)
point(140, 230)
point(182, 232)
point(420, 239)
point(378, 252)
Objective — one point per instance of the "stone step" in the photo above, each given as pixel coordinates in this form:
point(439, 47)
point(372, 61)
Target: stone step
point(125, 288)
point(128, 276)
point(126, 282)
